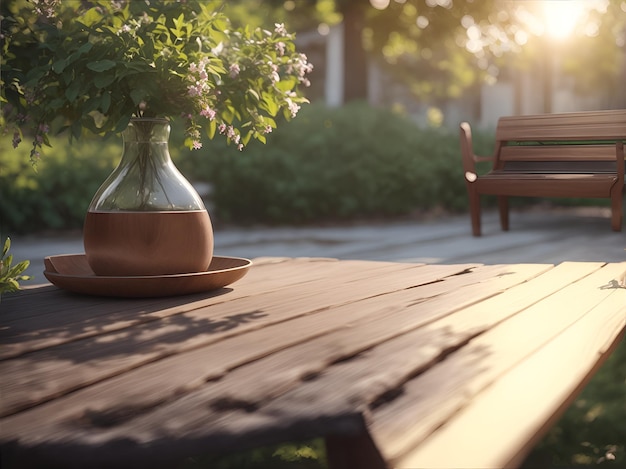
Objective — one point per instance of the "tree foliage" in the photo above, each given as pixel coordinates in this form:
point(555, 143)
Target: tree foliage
point(441, 48)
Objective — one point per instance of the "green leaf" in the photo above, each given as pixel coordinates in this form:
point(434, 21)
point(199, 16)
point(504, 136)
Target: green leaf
point(254, 94)
point(212, 128)
point(246, 138)
point(11, 285)
point(228, 114)
point(59, 65)
point(6, 266)
point(270, 104)
point(91, 17)
point(56, 103)
point(137, 95)
point(106, 102)
point(122, 123)
point(287, 84)
point(92, 104)
point(76, 129)
point(84, 48)
point(76, 55)
point(18, 269)
point(73, 90)
point(104, 80)
point(101, 65)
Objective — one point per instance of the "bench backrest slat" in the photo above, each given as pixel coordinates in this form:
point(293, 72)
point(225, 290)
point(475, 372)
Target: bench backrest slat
point(561, 167)
point(558, 153)
point(586, 138)
point(575, 126)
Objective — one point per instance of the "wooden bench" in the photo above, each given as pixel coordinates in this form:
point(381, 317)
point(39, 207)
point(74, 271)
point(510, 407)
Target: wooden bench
point(576, 154)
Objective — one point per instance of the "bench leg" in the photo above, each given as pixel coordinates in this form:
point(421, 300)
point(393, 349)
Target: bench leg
point(503, 206)
point(474, 206)
point(616, 211)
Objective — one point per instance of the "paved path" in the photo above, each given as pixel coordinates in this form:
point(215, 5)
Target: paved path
point(536, 236)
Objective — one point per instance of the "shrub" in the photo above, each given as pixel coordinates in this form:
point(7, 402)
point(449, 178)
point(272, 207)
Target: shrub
point(57, 194)
point(347, 163)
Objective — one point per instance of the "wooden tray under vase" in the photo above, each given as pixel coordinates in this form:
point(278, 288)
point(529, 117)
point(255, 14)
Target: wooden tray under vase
point(72, 272)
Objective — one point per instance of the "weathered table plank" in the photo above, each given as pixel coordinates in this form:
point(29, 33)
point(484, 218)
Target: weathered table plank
point(565, 363)
point(103, 356)
point(113, 348)
point(73, 317)
point(455, 382)
point(263, 385)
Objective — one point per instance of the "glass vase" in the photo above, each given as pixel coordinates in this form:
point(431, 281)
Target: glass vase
point(146, 219)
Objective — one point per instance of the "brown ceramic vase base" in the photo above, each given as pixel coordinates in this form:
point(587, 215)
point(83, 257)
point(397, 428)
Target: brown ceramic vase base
point(127, 243)
point(71, 272)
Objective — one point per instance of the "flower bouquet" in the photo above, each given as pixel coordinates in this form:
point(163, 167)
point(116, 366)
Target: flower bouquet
point(95, 64)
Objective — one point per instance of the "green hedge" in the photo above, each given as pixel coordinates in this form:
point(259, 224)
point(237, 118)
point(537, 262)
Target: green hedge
point(334, 164)
point(354, 162)
point(56, 195)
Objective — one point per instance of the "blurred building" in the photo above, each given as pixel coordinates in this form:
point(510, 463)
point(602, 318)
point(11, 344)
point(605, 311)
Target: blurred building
point(541, 88)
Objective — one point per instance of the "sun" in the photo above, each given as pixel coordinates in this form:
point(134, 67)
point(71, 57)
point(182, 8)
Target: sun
point(562, 16)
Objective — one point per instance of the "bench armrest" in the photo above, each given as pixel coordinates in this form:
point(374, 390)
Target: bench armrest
point(469, 158)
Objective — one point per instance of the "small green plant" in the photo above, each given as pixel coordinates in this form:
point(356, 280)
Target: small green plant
point(10, 276)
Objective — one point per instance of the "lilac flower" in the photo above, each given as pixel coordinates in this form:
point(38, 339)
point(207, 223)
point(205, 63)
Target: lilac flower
point(234, 70)
point(231, 134)
point(197, 145)
point(208, 113)
point(274, 72)
point(293, 107)
point(46, 7)
point(192, 91)
point(279, 28)
point(194, 134)
point(16, 139)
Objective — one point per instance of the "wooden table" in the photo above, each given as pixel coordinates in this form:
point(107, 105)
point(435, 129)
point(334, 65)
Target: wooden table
point(396, 365)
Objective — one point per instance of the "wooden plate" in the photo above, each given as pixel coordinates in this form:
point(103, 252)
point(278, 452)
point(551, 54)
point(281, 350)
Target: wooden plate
point(72, 272)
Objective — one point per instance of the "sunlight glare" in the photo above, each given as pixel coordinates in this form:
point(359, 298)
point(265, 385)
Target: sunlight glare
point(561, 16)
point(380, 4)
